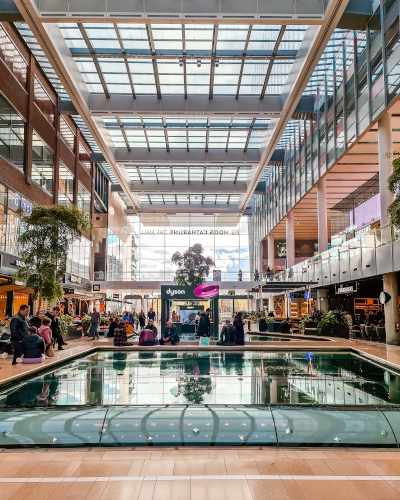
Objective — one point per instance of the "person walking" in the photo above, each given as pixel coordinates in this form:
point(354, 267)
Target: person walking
point(94, 324)
point(170, 334)
point(203, 329)
point(238, 324)
point(142, 320)
point(19, 330)
point(55, 327)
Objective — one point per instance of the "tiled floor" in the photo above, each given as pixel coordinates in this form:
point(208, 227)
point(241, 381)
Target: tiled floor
point(199, 474)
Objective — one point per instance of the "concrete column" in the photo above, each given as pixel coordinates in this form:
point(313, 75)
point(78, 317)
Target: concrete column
point(270, 303)
point(385, 165)
point(322, 300)
point(391, 308)
point(322, 216)
point(271, 250)
point(290, 239)
point(273, 388)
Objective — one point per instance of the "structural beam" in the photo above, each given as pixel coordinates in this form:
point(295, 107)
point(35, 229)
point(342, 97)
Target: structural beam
point(166, 187)
point(59, 56)
point(195, 156)
point(194, 105)
point(310, 52)
point(186, 11)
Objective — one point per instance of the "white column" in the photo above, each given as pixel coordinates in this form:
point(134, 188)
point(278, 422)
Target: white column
point(271, 250)
point(322, 216)
point(290, 239)
point(385, 165)
point(270, 302)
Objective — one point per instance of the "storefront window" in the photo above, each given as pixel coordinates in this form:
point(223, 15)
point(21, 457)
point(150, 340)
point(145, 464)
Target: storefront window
point(42, 164)
point(12, 135)
point(83, 199)
point(66, 186)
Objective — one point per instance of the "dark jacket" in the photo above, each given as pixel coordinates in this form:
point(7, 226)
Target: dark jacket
point(112, 328)
point(204, 325)
point(228, 334)
point(19, 328)
point(285, 327)
point(32, 346)
point(35, 321)
point(142, 320)
point(54, 326)
point(120, 338)
point(153, 329)
point(238, 324)
point(172, 333)
point(262, 325)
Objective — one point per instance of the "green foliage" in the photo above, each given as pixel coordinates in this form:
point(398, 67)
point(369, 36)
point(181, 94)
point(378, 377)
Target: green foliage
point(104, 320)
point(63, 321)
point(192, 389)
point(313, 317)
point(193, 267)
point(393, 184)
point(48, 234)
point(86, 318)
point(332, 318)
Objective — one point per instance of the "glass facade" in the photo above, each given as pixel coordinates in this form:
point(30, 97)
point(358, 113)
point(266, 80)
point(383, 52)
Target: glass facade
point(84, 199)
point(66, 186)
point(12, 134)
point(79, 258)
point(42, 164)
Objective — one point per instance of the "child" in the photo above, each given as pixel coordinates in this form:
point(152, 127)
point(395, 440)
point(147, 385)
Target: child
point(45, 332)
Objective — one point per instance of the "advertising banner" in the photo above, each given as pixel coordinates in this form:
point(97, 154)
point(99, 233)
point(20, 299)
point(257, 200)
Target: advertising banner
point(177, 292)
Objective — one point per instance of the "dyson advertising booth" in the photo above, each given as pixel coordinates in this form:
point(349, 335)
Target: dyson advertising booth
point(181, 304)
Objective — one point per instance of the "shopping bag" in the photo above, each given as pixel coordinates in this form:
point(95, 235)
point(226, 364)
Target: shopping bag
point(204, 341)
point(49, 351)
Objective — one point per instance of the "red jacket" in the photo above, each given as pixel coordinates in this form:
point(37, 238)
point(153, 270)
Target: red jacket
point(45, 333)
point(146, 336)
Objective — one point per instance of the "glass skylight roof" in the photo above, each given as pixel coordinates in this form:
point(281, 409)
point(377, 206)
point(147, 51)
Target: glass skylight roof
point(190, 199)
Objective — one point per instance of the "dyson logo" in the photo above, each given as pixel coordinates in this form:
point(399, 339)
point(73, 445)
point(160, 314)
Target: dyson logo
point(175, 292)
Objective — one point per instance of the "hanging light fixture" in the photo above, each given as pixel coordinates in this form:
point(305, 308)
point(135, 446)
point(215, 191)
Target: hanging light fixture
point(198, 62)
point(216, 62)
point(180, 62)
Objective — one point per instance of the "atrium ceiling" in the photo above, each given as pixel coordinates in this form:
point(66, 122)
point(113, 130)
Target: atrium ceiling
point(184, 108)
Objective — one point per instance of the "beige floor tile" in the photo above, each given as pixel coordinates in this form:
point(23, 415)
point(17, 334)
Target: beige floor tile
point(30, 457)
point(60, 492)
point(42, 491)
point(147, 490)
point(291, 454)
point(268, 489)
point(7, 490)
point(331, 455)
point(120, 490)
point(377, 490)
point(311, 455)
point(127, 455)
point(23, 492)
point(71, 469)
point(395, 484)
point(392, 467)
point(224, 454)
point(371, 468)
point(346, 468)
point(185, 454)
point(3, 456)
point(214, 489)
point(200, 467)
point(79, 491)
point(240, 467)
point(156, 455)
point(26, 469)
point(158, 468)
point(320, 468)
point(135, 468)
point(48, 469)
point(378, 455)
point(284, 467)
point(93, 455)
point(67, 456)
point(293, 490)
point(103, 468)
point(9, 469)
point(96, 491)
point(330, 490)
point(346, 455)
point(262, 454)
point(172, 490)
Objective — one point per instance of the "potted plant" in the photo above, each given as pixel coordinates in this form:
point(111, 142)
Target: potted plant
point(85, 324)
point(64, 322)
point(311, 320)
point(334, 324)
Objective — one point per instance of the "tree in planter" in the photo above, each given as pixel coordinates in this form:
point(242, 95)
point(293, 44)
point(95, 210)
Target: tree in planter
point(193, 267)
point(394, 187)
point(47, 236)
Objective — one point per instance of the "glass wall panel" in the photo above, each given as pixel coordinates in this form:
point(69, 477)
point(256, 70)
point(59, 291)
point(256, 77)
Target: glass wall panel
point(42, 164)
point(66, 186)
point(84, 199)
point(12, 134)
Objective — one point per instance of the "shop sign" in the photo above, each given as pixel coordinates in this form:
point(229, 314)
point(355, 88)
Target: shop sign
point(189, 231)
point(363, 230)
point(75, 279)
point(190, 292)
point(96, 288)
point(384, 297)
point(346, 289)
point(68, 291)
point(115, 295)
point(278, 306)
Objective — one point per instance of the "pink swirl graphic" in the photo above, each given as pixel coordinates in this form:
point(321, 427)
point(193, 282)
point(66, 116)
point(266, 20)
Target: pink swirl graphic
point(206, 291)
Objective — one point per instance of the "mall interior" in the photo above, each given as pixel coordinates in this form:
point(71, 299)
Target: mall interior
point(265, 131)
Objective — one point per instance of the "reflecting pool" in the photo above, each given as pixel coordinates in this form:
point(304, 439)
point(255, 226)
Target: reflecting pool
point(227, 378)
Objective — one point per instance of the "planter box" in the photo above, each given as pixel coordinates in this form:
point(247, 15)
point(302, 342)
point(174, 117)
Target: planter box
point(339, 331)
point(73, 333)
point(85, 328)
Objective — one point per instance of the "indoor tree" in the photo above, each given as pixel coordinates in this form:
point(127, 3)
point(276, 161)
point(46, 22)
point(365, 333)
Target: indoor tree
point(47, 235)
point(394, 187)
point(193, 267)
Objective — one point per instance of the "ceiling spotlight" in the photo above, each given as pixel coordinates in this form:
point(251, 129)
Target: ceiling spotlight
point(180, 62)
point(198, 62)
point(216, 62)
